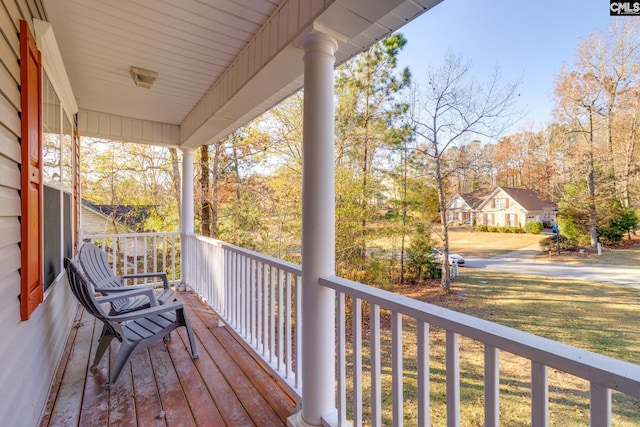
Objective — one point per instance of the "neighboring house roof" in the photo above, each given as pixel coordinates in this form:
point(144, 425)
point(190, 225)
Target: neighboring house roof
point(529, 200)
point(133, 217)
point(476, 197)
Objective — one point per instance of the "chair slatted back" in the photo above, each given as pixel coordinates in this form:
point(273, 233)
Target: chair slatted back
point(96, 266)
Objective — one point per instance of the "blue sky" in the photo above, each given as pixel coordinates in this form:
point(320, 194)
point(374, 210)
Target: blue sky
point(528, 39)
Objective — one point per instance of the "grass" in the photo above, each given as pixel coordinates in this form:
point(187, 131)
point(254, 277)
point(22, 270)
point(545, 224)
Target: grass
point(597, 317)
point(627, 254)
point(486, 245)
point(472, 243)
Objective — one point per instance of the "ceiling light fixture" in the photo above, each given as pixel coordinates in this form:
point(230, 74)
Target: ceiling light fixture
point(143, 78)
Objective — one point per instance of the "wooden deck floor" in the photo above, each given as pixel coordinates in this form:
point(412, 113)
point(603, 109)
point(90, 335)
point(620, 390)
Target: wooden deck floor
point(164, 386)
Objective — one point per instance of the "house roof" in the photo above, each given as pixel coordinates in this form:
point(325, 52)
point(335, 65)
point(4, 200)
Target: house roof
point(476, 197)
point(528, 199)
point(219, 63)
point(133, 217)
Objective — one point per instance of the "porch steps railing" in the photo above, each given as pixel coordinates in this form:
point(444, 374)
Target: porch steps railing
point(259, 297)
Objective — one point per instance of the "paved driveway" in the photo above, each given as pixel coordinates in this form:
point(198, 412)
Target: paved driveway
point(522, 262)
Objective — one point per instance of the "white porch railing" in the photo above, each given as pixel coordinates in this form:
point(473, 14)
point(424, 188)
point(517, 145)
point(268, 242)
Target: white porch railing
point(604, 374)
point(259, 297)
point(141, 253)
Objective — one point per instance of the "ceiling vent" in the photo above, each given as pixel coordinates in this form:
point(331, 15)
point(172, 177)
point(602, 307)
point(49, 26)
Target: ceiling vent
point(143, 78)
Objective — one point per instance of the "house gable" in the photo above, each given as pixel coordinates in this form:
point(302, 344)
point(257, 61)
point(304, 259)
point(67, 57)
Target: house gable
point(458, 202)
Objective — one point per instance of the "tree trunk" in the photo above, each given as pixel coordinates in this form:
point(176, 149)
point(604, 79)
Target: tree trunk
point(404, 212)
point(445, 281)
point(214, 187)
point(363, 231)
point(591, 183)
point(175, 175)
point(205, 204)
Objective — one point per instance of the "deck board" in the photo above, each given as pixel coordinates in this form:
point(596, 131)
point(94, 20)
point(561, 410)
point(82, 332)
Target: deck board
point(163, 386)
point(68, 401)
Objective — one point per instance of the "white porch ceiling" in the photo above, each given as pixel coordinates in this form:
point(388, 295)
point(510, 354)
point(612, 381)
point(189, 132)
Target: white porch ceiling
point(220, 63)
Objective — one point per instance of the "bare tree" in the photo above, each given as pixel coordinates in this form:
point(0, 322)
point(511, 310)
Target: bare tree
point(609, 60)
point(450, 109)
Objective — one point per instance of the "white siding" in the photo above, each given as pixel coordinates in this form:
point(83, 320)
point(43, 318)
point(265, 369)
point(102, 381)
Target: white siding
point(108, 126)
point(92, 222)
point(30, 350)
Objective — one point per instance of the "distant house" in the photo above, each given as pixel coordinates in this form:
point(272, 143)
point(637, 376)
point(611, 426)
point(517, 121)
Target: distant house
point(101, 219)
point(504, 206)
point(462, 207)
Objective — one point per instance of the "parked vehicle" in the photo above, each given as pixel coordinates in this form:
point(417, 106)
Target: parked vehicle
point(437, 254)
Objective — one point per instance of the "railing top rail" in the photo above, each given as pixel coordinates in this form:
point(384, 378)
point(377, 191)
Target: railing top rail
point(276, 262)
point(612, 373)
point(122, 235)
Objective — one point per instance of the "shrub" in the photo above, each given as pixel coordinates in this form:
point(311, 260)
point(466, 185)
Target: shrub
point(533, 227)
point(420, 262)
point(623, 222)
point(549, 243)
point(378, 274)
point(481, 227)
point(610, 235)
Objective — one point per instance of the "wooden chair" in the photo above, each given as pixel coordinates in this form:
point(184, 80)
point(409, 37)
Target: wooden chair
point(95, 265)
point(135, 330)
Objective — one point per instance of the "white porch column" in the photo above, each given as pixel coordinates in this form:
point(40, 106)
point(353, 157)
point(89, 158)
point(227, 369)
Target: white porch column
point(318, 231)
point(186, 209)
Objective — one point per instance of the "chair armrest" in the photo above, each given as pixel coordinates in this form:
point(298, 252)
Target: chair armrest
point(138, 314)
point(161, 274)
point(118, 294)
point(129, 288)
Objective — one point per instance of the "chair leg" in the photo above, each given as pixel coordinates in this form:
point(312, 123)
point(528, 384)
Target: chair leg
point(105, 340)
point(124, 355)
point(187, 325)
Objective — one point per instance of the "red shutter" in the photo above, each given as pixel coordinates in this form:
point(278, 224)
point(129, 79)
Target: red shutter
point(506, 202)
point(31, 287)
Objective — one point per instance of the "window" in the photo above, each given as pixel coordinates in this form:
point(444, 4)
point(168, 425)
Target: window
point(500, 203)
point(57, 154)
point(490, 219)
